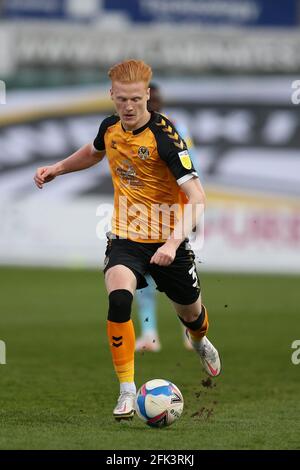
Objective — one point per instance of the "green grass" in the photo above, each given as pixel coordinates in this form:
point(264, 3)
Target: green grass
point(58, 388)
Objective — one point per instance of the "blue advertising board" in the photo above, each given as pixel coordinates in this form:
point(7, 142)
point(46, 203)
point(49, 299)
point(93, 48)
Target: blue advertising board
point(229, 12)
point(72, 10)
point(48, 9)
point(273, 13)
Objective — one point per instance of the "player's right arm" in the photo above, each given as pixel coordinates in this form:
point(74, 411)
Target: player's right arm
point(83, 158)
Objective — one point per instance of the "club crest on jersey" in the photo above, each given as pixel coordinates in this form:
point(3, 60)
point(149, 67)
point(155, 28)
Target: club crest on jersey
point(185, 159)
point(143, 153)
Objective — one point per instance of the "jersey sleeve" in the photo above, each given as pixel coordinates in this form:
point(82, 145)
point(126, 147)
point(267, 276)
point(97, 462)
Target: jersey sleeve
point(99, 142)
point(173, 150)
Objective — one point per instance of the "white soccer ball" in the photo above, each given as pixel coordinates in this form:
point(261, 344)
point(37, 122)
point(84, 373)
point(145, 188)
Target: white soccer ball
point(159, 403)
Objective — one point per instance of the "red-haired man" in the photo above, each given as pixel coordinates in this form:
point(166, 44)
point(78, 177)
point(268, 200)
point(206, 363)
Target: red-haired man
point(158, 199)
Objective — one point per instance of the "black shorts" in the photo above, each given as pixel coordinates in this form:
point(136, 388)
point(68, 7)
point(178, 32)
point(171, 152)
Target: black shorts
point(179, 280)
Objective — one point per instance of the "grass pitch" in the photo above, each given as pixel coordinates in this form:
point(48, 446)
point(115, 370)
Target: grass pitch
point(58, 387)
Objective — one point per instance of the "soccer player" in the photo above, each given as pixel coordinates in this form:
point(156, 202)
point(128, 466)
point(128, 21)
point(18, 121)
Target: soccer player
point(146, 298)
point(158, 199)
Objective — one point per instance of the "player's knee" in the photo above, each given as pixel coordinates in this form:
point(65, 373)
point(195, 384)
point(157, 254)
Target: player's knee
point(120, 301)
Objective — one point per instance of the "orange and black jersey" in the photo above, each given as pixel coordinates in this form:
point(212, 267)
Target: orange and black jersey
point(147, 165)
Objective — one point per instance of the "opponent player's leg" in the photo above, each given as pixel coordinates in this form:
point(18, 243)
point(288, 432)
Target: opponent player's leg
point(121, 284)
point(146, 310)
point(195, 319)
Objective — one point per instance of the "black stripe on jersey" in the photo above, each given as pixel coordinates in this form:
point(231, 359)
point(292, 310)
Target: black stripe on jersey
point(169, 145)
point(171, 132)
point(105, 124)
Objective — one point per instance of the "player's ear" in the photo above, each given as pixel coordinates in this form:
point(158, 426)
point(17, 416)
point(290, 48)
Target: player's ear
point(111, 93)
point(148, 94)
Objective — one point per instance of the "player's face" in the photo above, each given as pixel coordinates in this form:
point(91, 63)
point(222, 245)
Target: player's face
point(130, 100)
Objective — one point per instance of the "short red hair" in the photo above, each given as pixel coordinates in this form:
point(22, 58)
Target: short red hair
point(131, 71)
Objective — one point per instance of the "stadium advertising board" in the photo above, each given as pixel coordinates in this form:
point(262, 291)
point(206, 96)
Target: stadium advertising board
point(231, 12)
point(48, 9)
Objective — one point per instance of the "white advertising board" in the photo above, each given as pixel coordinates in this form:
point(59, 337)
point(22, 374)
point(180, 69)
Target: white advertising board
point(238, 236)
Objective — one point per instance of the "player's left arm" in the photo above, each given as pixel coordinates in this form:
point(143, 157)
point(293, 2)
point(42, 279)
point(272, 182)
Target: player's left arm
point(174, 151)
point(192, 211)
point(189, 219)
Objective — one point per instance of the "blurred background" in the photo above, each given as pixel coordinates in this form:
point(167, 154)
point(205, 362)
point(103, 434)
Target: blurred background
point(229, 72)
point(225, 69)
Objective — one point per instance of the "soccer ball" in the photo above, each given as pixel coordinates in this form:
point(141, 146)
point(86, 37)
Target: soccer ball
point(159, 403)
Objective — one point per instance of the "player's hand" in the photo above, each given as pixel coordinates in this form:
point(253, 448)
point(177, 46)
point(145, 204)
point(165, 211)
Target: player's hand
point(44, 175)
point(164, 255)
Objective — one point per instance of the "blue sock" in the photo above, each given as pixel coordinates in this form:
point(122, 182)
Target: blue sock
point(146, 303)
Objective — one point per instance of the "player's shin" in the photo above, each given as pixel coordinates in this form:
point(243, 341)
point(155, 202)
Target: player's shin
point(122, 340)
point(121, 337)
point(209, 355)
point(198, 328)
